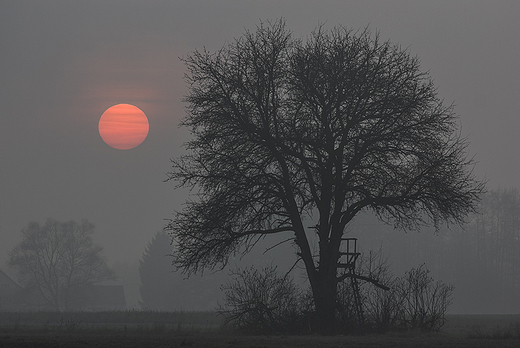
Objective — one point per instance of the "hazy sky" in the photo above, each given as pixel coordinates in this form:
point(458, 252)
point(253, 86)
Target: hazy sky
point(63, 63)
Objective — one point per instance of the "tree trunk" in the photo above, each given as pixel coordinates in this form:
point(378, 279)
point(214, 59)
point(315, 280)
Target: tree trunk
point(325, 301)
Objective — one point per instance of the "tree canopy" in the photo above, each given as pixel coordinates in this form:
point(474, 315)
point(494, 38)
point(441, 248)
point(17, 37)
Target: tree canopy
point(284, 129)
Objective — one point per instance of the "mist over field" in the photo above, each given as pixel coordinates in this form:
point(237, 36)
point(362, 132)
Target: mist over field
point(64, 63)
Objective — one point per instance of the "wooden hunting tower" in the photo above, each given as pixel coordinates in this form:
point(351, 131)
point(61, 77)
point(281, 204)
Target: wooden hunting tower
point(348, 256)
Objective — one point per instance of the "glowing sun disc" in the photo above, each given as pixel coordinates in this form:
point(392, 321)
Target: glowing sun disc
point(123, 126)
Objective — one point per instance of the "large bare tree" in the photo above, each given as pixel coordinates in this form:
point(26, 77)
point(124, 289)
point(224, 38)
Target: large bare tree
point(56, 257)
point(328, 126)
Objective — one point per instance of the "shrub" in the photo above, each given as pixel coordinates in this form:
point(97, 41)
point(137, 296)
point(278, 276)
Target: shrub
point(424, 301)
point(414, 302)
point(261, 301)
point(381, 307)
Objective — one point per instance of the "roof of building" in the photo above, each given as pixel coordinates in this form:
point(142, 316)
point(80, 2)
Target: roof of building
point(6, 281)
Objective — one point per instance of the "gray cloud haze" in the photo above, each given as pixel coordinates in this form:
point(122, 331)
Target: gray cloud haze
point(63, 63)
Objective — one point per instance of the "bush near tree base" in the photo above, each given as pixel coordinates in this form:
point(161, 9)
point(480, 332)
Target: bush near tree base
point(261, 301)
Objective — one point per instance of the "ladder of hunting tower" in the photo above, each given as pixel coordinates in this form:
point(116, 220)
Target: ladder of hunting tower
point(347, 260)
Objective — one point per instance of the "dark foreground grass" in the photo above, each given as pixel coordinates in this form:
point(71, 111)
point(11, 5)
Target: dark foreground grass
point(217, 340)
point(109, 321)
point(195, 329)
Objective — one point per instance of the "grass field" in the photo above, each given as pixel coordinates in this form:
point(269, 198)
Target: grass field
point(203, 329)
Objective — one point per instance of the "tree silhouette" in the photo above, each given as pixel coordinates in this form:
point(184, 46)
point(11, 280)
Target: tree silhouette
point(165, 290)
point(155, 270)
point(286, 129)
point(58, 256)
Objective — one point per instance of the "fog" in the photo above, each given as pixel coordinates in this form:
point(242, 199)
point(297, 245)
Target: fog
point(64, 63)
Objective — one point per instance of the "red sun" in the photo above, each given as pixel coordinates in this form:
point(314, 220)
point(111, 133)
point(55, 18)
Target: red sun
point(123, 126)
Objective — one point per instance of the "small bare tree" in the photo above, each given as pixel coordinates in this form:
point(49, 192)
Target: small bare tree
point(58, 256)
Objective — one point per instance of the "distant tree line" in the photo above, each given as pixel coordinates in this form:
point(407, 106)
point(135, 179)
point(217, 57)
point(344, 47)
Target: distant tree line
point(481, 258)
point(495, 244)
point(489, 246)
